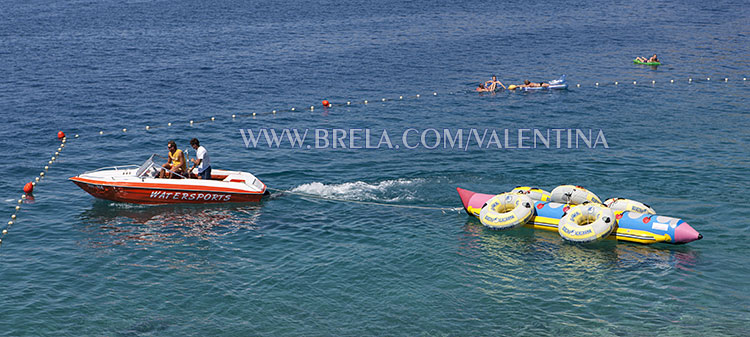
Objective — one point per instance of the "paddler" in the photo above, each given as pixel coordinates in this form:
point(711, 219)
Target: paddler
point(175, 163)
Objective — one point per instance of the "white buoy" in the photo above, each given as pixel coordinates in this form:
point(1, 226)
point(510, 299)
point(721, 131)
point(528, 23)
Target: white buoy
point(57, 153)
point(400, 97)
point(253, 114)
point(76, 135)
point(597, 84)
point(13, 216)
point(147, 127)
point(383, 99)
point(124, 130)
point(708, 78)
point(365, 101)
point(634, 82)
point(744, 79)
point(213, 119)
point(578, 85)
point(233, 116)
point(690, 80)
point(653, 82)
point(41, 174)
point(52, 158)
point(671, 81)
point(101, 132)
point(292, 109)
point(191, 122)
point(417, 95)
point(18, 208)
point(615, 82)
point(49, 162)
point(10, 223)
point(36, 179)
point(169, 124)
point(726, 79)
point(434, 94)
point(46, 168)
point(274, 112)
point(312, 107)
point(348, 103)
point(62, 145)
point(5, 231)
point(59, 148)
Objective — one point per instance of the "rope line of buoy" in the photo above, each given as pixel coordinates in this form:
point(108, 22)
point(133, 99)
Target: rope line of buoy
point(373, 203)
point(350, 103)
point(28, 189)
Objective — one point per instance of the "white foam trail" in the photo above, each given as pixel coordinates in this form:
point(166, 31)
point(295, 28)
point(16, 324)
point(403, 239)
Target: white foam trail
point(387, 190)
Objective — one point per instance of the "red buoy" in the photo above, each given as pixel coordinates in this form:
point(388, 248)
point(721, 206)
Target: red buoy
point(326, 103)
point(60, 134)
point(28, 188)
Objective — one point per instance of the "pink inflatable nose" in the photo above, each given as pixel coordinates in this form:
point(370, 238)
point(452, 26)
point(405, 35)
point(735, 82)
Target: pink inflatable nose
point(684, 234)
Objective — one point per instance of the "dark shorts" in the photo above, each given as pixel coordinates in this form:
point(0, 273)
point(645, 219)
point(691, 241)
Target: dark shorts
point(206, 174)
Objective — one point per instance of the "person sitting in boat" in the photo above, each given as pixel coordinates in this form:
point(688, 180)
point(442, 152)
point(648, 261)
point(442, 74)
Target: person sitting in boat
point(175, 163)
point(492, 84)
point(653, 59)
point(202, 161)
point(529, 84)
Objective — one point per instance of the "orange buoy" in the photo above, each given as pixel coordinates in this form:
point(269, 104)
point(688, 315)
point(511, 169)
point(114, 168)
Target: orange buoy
point(60, 134)
point(28, 188)
point(326, 103)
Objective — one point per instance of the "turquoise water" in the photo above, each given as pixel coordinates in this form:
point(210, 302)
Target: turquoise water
point(73, 265)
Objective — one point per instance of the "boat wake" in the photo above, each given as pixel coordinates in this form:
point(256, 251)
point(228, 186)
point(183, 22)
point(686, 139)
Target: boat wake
point(384, 191)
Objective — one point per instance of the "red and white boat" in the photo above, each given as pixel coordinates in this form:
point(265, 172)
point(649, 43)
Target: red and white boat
point(140, 185)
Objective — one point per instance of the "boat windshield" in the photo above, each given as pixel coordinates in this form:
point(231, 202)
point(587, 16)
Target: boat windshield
point(148, 169)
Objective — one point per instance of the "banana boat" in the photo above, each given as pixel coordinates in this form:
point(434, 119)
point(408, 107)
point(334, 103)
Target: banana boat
point(577, 215)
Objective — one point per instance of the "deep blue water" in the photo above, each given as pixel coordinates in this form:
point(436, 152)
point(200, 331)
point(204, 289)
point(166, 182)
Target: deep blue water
point(73, 265)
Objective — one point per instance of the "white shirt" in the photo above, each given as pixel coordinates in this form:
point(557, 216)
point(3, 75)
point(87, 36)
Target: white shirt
point(202, 154)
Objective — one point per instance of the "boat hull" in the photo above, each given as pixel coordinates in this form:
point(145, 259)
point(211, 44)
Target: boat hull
point(631, 227)
point(150, 194)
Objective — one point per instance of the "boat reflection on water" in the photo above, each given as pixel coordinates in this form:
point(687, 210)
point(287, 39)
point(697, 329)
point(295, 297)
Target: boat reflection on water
point(114, 224)
point(520, 245)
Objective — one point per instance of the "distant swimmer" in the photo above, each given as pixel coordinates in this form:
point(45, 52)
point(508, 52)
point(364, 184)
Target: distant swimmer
point(481, 88)
point(653, 59)
point(492, 84)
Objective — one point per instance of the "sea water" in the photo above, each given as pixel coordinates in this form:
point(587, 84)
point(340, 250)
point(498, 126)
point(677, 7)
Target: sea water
point(74, 265)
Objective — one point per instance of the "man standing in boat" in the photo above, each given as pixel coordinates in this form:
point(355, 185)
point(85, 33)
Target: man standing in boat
point(202, 161)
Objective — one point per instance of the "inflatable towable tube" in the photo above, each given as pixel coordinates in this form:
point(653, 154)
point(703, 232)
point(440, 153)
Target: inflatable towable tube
point(587, 223)
point(506, 211)
point(627, 205)
point(629, 226)
point(574, 195)
point(536, 194)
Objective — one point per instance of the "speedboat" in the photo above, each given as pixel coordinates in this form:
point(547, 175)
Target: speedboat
point(140, 185)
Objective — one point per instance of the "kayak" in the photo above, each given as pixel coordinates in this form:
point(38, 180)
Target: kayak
point(636, 61)
point(630, 226)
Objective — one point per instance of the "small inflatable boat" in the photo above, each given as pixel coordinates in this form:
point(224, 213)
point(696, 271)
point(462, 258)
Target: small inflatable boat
point(577, 215)
point(558, 84)
point(636, 61)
